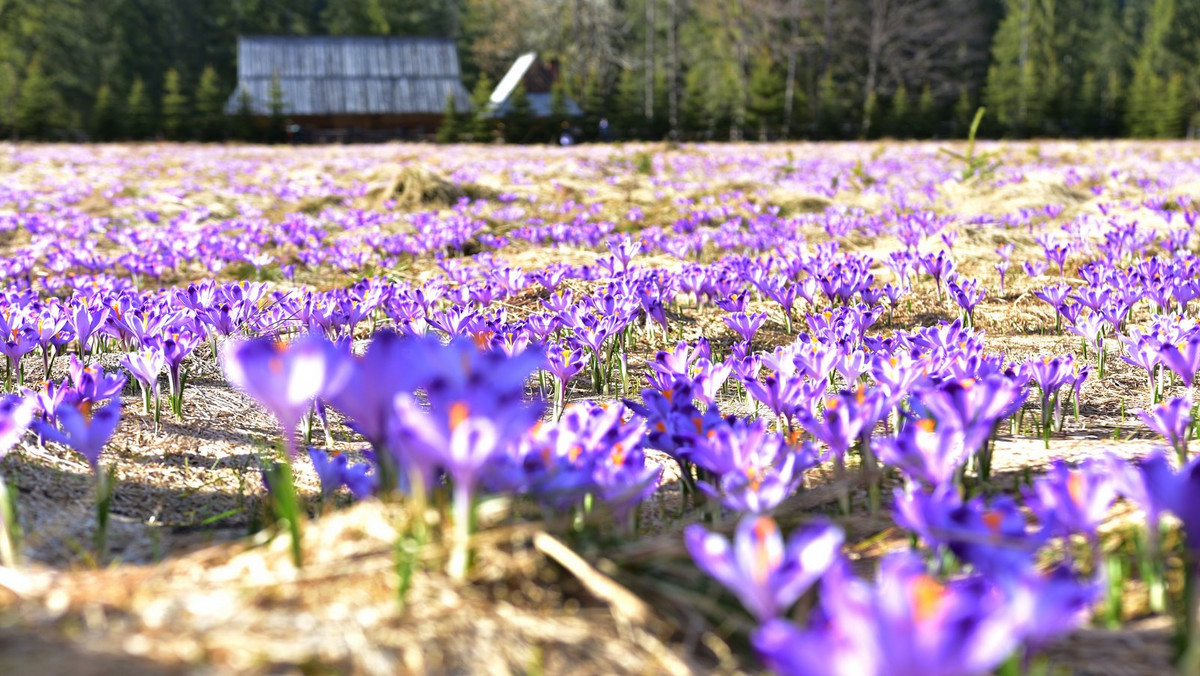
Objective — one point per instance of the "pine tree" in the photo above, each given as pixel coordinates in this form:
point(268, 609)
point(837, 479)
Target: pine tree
point(964, 113)
point(210, 106)
point(245, 116)
point(800, 113)
point(697, 117)
point(174, 107)
point(138, 111)
point(1018, 49)
point(106, 115)
point(518, 119)
point(1087, 113)
point(829, 109)
point(900, 122)
point(766, 97)
point(630, 118)
point(448, 131)
point(927, 116)
point(593, 105)
point(482, 122)
point(9, 86)
point(1172, 109)
point(558, 104)
point(276, 104)
point(1110, 105)
point(39, 110)
point(1148, 89)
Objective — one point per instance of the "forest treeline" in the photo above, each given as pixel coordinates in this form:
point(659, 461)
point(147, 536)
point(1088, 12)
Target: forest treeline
point(686, 69)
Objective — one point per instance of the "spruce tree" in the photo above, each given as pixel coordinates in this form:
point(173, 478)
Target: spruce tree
point(829, 109)
point(558, 104)
point(593, 105)
point(1018, 47)
point(138, 111)
point(448, 131)
point(518, 119)
point(9, 86)
point(210, 106)
point(1148, 89)
point(800, 113)
point(1110, 106)
point(630, 118)
point(927, 116)
point(244, 127)
point(106, 115)
point(766, 98)
point(1172, 109)
point(174, 107)
point(276, 105)
point(39, 109)
point(900, 122)
point(482, 122)
point(1087, 113)
point(696, 114)
point(964, 113)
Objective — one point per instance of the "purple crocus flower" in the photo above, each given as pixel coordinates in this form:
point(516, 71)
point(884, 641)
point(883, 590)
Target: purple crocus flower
point(993, 537)
point(1183, 359)
point(907, 624)
point(1148, 482)
point(85, 322)
point(84, 430)
point(16, 414)
point(1175, 492)
point(1073, 499)
point(845, 419)
point(1172, 420)
point(145, 366)
point(745, 324)
point(967, 294)
point(286, 378)
point(973, 406)
point(334, 471)
point(329, 468)
point(1034, 268)
point(477, 411)
point(1052, 604)
point(563, 363)
point(392, 364)
point(924, 452)
point(15, 345)
point(766, 575)
point(91, 383)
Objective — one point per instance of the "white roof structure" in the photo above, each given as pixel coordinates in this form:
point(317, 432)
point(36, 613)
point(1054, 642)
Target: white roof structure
point(511, 79)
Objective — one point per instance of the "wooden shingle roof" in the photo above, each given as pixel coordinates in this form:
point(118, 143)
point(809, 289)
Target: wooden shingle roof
point(349, 75)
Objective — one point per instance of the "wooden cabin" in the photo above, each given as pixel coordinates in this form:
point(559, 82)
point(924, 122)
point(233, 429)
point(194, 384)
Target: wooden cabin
point(350, 88)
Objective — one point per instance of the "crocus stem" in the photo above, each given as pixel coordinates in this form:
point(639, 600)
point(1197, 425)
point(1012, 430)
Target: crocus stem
point(10, 528)
point(1189, 663)
point(460, 552)
point(105, 482)
point(1151, 567)
point(843, 490)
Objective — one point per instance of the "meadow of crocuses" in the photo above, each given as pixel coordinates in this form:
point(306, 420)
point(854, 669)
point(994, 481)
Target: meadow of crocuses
point(814, 409)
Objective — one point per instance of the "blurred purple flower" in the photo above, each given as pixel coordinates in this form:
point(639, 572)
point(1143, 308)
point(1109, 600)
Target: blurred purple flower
point(766, 575)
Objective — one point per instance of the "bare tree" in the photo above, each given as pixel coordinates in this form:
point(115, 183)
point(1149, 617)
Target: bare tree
point(673, 67)
point(794, 17)
point(651, 30)
point(916, 41)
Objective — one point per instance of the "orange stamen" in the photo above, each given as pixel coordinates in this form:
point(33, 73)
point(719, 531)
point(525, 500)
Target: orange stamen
point(928, 595)
point(458, 414)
